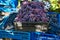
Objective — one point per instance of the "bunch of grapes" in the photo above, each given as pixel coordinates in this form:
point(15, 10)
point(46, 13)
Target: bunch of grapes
point(32, 12)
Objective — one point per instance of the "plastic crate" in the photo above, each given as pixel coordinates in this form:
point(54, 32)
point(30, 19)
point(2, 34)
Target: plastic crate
point(7, 20)
point(15, 35)
point(54, 22)
point(8, 5)
point(43, 36)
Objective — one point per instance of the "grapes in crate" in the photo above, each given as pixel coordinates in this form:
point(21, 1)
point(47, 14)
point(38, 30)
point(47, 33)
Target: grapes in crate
point(32, 12)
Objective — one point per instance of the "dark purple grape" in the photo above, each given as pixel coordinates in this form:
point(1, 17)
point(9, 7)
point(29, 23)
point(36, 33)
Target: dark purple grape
point(32, 12)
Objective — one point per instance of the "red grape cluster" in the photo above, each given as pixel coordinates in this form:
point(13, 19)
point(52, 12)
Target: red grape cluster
point(32, 12)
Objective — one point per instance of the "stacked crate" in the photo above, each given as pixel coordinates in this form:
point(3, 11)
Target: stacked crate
point(43, 36)
point(54, 22)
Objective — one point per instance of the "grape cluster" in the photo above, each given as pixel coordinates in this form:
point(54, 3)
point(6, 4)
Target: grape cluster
point(32, 12)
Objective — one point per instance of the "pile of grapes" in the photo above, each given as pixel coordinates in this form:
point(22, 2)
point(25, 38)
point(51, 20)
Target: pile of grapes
point(32, 12)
